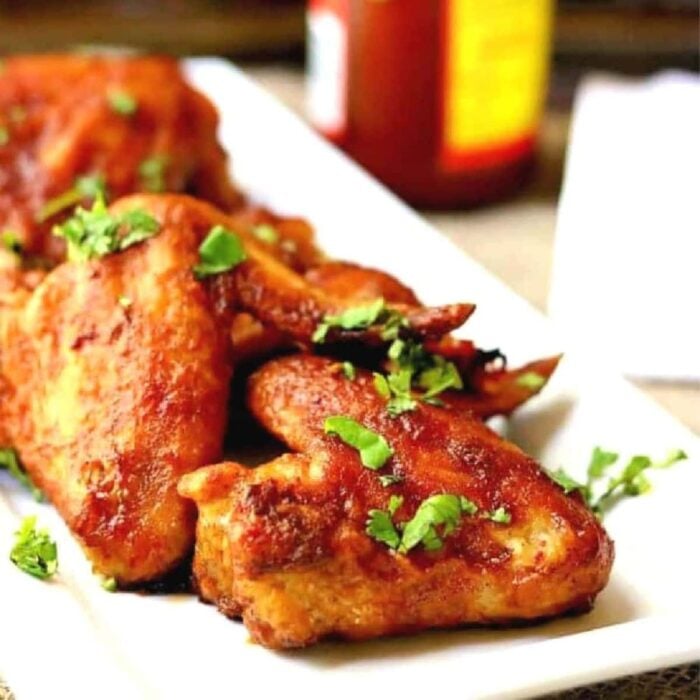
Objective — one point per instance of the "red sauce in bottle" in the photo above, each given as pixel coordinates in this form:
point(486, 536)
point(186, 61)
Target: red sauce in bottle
point(440, 99)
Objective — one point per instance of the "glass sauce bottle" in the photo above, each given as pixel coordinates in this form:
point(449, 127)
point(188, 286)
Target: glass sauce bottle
point(440, 99)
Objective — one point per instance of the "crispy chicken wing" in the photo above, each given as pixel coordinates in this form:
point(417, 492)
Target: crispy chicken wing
point(116, 379)
point(134, 121)
point(116, 374)
point(285, 547)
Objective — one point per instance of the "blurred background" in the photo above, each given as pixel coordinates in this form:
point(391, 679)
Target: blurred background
point(502, 204)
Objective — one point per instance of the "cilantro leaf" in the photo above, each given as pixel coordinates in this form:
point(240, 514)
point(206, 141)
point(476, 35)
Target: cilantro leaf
point(349, 370)
point(387, 480)
point(531, 380)
point(673, 456)
point(85, 187)
point(500, 515)
point(468, 506)
point(600, 461)
point(441, 376)
point(354, 318)
point(122, 103)
point(96, 232)
point(266, 233)
point(221, 251)
point(11, 241)
point(381, 385)
point(442, 509)
point(380, 527)
point(373, 448)
point(34, 552)
point(400, 404)
point(10, 461)
point(395, 502)
point(567, 482)
point(152, 173)
point(109, 584)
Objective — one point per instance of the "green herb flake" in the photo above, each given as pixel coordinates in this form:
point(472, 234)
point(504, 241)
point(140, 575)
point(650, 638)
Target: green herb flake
point(500, 515)
point(468, 506)
point(266, 233)
point(442, 376)
point(373, 448)
point(122, 103)
point(395, 502)
point(10, 461)
point(34, 552)
point(381, 385)
point(152, 173)
point(632, 481)
point(354, 318)
point(11, 241)
point(109, 584)
point(440, 510)
point(567, 482)
point(349, 371)
point(96, 232)
point(221, 251)
point(387, 480)
point(531, 381)
point(380, 527)
point(85, 187)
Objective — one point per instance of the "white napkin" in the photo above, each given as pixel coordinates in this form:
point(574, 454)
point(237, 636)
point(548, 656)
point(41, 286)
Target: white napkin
point(626, 275)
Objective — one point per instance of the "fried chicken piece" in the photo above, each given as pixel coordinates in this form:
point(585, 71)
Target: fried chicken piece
point(132, 120)
point(116, 376)
point(285, 547)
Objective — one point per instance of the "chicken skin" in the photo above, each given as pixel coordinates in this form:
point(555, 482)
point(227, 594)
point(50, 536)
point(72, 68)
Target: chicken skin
point(288, 546)
point(131, 123)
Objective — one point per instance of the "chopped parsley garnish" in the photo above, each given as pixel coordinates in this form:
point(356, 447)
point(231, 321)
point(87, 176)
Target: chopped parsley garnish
point(219, 252)
point(500, 515)
point(355, 318)
point(631, 481)
point(4, 136)
point(349, 370)
point(380, 527)
point(443, 510)
point(373, 448)
point(152, 173)
point(96, 232)
point(387, 480)
point(413, 364)
point(122, 103)
point(109, 584)
point(435, 518)
point(531, 380)
point(86, 187)
point(441, 376)
point(34, 552)
point(11, 241)
point(10, 461)
point(266, 233)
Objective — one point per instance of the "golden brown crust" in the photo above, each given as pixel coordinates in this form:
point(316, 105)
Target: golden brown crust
point(284, 545)
point(61, 126)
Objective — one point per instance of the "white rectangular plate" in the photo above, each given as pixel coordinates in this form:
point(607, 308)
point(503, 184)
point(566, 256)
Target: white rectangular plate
point(69, 638)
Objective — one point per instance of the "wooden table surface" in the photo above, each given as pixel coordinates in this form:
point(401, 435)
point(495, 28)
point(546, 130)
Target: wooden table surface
point(525, 224)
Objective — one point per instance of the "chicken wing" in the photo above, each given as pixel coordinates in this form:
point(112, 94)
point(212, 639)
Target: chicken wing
point(128, 123)
point(287, 545)
point(116, 375)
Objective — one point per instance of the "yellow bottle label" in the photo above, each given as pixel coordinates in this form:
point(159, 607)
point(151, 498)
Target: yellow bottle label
point(496, 56)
